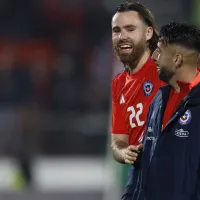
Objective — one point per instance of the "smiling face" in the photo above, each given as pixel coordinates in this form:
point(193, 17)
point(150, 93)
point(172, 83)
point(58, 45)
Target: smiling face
point(164, 56)
point(129, 36)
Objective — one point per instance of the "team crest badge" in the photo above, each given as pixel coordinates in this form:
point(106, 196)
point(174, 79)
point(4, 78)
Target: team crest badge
point(148, 88)
point(186, 118)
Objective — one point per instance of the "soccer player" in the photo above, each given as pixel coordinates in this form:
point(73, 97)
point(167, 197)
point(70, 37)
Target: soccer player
point(170, 162)
point(134, 38)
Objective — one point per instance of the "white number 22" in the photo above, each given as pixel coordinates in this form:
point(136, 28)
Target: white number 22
point(135, 114)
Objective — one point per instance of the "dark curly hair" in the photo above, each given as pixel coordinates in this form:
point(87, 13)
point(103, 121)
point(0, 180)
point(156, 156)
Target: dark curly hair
point(181, 33)
point(145, 15)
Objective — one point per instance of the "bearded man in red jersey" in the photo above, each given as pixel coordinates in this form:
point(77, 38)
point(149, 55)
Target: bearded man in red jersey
point(134, 38)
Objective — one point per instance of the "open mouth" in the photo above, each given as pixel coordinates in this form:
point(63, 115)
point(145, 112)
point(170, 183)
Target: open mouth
point(125, 48)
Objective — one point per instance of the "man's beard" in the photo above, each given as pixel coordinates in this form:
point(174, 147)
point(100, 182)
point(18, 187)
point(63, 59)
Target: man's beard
point(133, 57)
point(165, 75)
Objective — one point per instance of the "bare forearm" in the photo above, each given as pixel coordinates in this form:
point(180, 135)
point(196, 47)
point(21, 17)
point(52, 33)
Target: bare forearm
point(118, 149)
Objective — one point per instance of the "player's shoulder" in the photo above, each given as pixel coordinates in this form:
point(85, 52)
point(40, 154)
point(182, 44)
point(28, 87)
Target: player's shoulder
point(163, 91)
point(120, 76)
point(151, 63)
point(119, 80)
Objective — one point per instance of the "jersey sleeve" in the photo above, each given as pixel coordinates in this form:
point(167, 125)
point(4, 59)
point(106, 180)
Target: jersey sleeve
point(118, 125)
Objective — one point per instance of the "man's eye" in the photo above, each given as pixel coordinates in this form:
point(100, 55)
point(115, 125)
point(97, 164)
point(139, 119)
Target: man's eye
point(116, 30)
point(131, 29)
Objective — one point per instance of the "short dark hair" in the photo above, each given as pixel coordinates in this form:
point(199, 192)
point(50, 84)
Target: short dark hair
point(181, 33)
point(146, 16)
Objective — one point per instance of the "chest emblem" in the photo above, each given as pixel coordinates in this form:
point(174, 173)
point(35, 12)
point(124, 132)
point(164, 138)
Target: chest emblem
point(148, 88)
point(185, 118)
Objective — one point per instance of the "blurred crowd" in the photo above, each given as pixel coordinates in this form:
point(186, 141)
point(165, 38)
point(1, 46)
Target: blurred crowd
point(55, 72)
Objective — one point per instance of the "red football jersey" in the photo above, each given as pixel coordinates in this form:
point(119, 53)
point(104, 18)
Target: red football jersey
point(132, 94)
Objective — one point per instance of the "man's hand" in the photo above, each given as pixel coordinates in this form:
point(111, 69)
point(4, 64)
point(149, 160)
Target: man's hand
point(122, 151)
point(130, 154)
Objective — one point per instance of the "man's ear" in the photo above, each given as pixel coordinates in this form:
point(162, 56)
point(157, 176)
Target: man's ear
point(149, 33)
point(178, 60)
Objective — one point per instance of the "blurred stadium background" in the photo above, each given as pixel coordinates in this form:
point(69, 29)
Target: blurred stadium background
point(56, 66)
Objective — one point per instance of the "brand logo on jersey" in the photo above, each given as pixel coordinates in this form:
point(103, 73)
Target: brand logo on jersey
point(122, 100)
point(186, 118)
point(148, 88)
point(181, 133)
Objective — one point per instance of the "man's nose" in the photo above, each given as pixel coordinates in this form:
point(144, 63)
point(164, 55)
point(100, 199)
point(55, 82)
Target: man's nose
point(122, 35)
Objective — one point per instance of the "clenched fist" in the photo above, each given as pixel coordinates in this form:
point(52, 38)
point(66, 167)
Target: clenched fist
point(131, 153)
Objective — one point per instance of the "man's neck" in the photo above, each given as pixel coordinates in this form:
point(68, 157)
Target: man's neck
point(140, 62)
point(174, 84)
point(186, 75)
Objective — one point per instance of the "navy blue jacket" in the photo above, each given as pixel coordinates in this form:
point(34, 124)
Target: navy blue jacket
point(170, 161)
